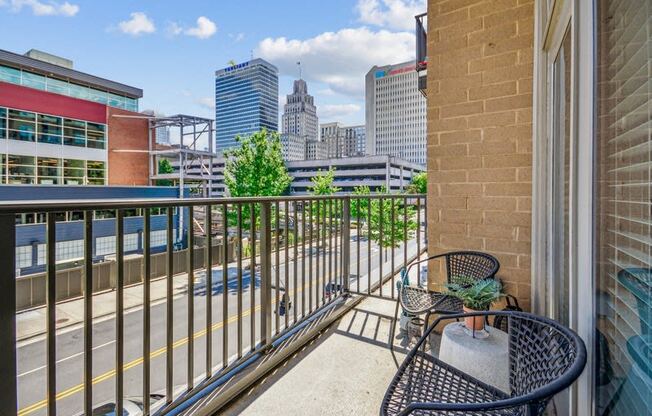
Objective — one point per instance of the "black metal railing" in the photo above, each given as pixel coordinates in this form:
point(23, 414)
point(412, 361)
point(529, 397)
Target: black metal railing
point(261, 265)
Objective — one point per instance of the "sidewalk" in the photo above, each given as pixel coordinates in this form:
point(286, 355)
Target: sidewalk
point(32, 323)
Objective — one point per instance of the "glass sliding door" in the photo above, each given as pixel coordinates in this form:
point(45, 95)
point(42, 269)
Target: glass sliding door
point(623, 224)
point(561, 146)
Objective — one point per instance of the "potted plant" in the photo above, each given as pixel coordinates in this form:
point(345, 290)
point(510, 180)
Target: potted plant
point(476, 296)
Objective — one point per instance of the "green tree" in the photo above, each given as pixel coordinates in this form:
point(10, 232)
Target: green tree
point(394, 219)
point(419, 184)
point(164, 167)
point(255, 168)
point(322, 184)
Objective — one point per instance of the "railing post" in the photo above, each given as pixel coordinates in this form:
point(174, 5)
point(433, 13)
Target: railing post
point(265, 273)
point(346, 242)
point(8, 393)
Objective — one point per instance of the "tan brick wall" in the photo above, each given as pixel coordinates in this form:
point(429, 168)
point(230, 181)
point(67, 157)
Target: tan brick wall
point(480, 133)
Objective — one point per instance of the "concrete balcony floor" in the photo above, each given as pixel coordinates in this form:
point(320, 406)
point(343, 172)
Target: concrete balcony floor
point(344, 371)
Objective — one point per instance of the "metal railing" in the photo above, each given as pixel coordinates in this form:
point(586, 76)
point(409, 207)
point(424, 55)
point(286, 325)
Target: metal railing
point(291, 257)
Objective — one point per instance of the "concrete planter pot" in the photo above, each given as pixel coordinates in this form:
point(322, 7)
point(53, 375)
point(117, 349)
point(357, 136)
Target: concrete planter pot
point(473, 323)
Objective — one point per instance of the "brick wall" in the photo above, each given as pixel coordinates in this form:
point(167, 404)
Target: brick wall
point(128, 161)
point(480, 133)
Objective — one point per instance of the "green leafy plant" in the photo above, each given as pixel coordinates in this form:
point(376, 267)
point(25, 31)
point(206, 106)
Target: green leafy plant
point(322, 184)
point(396, 221)
point(255, 168)
point(478, 296)
point(419, 184)
point(164, 166)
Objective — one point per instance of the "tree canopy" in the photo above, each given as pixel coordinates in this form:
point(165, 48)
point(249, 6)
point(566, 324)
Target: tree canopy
point(419, 184)
point(256, 166)
point(322, 184)
point(164, 166)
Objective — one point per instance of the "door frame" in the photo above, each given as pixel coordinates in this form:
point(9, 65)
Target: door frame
point(551, 20)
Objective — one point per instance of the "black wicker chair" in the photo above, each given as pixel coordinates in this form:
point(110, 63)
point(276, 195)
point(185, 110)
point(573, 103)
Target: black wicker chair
point(416, 300)
point(544, 359)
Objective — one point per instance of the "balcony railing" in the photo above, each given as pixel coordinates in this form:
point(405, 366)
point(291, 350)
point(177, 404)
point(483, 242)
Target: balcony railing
point(241, 274)
point(421, 34)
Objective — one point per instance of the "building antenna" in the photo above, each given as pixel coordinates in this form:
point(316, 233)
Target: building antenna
point(300, 70)
point(252, 54)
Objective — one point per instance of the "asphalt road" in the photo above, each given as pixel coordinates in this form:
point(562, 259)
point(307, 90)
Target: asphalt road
point(69, 342)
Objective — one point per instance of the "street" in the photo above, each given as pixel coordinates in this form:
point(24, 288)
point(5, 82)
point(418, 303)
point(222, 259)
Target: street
point(31, 356)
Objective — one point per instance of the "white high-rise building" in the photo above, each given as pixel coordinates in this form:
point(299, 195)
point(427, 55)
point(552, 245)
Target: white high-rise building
point(395, 113)
point(299, 123)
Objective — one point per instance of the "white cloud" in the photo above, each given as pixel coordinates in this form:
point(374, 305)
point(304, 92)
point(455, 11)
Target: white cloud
point(39, 8)
point(137, 25)
point(205, 28)
point(206, 102)
point(393, 14)
point(339, 59)
point(337, 110)
point(174, 29)
point(237, 37)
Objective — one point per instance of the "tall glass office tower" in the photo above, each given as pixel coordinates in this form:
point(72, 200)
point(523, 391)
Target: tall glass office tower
point(246, 100)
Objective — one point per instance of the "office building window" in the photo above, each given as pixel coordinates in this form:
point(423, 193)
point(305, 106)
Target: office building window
point(49, 129)
point(57, 86)
point(49, 170)
point(96, 135)
point(21, 169)
point(74, 171)
point(3, 123)
point(74, 132)
point(23, 256)
point(21, 125)
point(95, 172)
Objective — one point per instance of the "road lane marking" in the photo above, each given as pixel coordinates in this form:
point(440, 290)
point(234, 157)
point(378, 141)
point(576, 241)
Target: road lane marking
point(43, 367)
point(136, 362)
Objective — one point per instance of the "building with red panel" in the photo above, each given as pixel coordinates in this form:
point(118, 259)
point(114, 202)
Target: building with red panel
point(59, 126)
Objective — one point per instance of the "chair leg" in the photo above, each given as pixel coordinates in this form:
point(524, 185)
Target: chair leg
point(425, 328)
point(392, 331)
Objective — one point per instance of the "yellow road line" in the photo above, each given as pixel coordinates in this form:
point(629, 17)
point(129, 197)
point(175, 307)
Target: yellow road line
point(134, 363)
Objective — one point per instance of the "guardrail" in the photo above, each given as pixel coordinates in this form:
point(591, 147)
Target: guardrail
point(292, 256)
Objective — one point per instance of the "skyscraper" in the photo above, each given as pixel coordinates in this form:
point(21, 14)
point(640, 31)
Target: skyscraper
point(299, 122)
point(246, 101)
point(395, 113)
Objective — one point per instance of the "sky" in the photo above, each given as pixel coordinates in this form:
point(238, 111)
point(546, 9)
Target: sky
point(171, 49)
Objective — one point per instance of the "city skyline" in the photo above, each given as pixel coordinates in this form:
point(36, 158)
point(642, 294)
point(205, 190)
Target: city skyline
point(195, 41)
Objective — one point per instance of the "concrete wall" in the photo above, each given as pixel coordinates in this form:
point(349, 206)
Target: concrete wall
point(30, 289)
point(480, 133)
point(127, 147)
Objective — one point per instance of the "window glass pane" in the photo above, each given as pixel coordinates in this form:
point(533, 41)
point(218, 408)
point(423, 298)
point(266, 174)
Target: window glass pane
point(561, 136)
point(3, 168)
point(58, 86)
point(49, 166)
point(623, 225)
point(9, 75)
point(73, 141)
point(22, 115)
point(98, 96)
point(74, 163)
point(78, 124)
point(56, 121)
point(33, 80)
point(3, 123)
point(79, 91)
point(116, 100)
point(95, 144)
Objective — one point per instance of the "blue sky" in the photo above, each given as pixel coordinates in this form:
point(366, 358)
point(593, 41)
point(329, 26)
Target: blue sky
point(171, 49)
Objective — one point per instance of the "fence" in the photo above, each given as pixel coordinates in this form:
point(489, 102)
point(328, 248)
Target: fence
point(287, 258)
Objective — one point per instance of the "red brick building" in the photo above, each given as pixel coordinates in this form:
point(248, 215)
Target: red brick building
point(59, 126)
